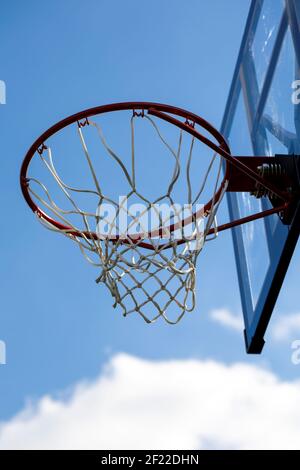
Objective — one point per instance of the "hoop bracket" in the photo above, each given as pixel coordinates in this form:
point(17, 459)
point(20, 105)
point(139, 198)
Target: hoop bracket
point(287, 179)
point(283, 171)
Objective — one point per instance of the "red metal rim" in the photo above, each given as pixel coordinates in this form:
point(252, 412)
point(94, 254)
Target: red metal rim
point(162, 111)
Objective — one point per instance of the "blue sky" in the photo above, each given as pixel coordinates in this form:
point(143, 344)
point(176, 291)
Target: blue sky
point(56, 59)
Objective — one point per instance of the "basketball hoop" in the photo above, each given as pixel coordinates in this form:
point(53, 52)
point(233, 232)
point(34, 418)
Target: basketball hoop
point(153, 268)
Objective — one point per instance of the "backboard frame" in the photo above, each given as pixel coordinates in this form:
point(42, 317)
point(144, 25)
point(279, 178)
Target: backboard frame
point(282, 242)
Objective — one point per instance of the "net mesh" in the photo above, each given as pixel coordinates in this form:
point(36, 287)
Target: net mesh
point(153, 275)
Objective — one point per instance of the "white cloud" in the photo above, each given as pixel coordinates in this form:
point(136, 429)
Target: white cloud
point(287, 327)
point(228, 319)
point(184, 404)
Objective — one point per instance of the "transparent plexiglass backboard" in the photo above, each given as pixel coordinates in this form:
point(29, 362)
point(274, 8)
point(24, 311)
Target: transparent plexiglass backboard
point(262, 117)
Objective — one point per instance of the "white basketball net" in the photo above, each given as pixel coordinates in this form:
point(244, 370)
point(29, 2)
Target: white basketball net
point(144, 281)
